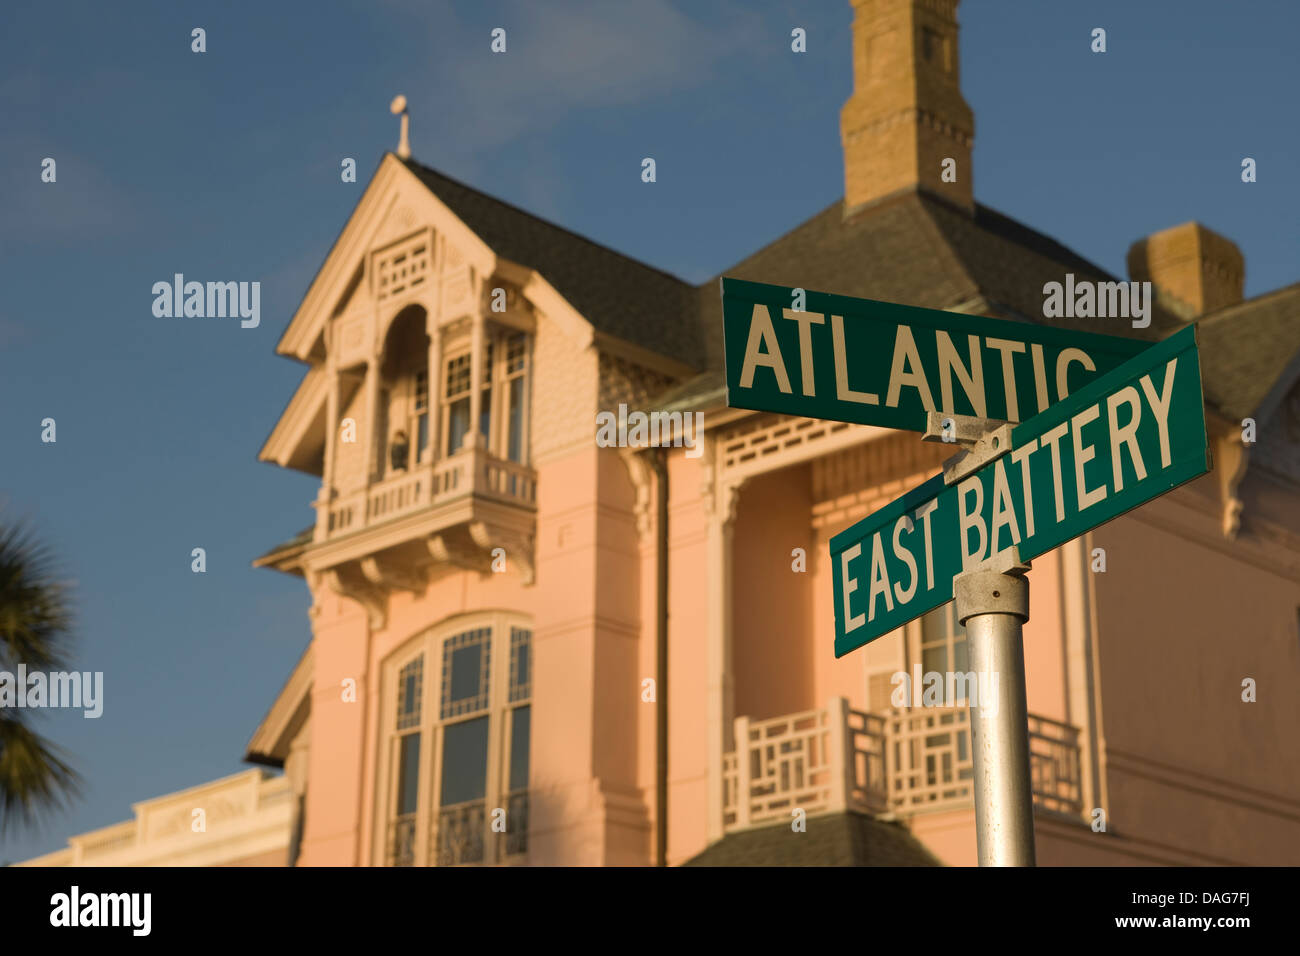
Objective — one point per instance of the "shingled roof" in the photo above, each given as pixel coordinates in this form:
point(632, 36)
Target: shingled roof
point(835, 839)
point(617, 294)
point(1246, 348)
point(912, 248)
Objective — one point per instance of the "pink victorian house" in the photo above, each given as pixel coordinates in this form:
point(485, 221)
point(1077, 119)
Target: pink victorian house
point(532, 649)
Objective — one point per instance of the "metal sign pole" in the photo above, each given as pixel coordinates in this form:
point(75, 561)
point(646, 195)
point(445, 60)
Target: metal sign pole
point(994, 605)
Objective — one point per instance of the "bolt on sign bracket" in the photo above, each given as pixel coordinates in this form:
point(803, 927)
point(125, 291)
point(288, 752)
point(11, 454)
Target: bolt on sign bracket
point(984, 440)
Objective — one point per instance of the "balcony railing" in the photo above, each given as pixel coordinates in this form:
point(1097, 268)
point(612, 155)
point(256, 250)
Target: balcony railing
point(902, 761)
point(401, 841)
point(472, 471)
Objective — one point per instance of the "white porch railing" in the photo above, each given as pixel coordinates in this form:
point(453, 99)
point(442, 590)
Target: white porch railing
point(472, 471)
point(902, 761)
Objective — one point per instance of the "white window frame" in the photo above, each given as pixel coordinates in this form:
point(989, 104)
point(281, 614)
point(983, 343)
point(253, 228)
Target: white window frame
point(432, 725)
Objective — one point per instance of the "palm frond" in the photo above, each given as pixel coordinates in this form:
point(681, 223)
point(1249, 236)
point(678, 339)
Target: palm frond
point(35, 606)
point(34, 777)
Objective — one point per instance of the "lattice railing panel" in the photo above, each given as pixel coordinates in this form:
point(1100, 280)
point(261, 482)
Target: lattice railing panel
point(903, 761)
point(929, 758)
point(1054, 765)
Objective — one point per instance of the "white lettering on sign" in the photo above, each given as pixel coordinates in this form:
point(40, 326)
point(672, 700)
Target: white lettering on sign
point(904, 524)
point(994, 509)
point(879, 579)
point(806, 321)
point(1082, 455)
point(842, 390)
point(906, 370)
point(761, 333)
point(1161, 407)
point(851, 622)
point(972, 379)
point(971, 520)
point(924, 513)
point(1125, 435)
point(960, 366)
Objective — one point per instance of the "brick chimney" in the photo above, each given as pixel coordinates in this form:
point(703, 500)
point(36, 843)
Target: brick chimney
point(1200, 269)
point(906, 114)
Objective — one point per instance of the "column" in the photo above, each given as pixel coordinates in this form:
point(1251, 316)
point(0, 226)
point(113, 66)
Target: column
point(325, 497)
point(372, 416)
point(435, 384)
point(722, 699)
point(472, 438)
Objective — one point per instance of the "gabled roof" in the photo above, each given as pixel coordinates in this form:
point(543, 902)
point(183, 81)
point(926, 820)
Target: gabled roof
point(618, 295)
point(1249, 349)
point(834, 839)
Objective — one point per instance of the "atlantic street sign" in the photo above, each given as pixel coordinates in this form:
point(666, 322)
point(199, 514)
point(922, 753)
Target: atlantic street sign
point(1123, 439)
point(877, 363)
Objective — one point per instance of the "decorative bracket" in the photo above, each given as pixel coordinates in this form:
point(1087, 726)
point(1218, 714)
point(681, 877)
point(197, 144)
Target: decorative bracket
point(518, 546)
point(373, 598)
point(389, 576)
point(1232, 458)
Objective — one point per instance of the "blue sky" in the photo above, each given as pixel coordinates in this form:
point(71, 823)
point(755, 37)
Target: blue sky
point(225, 166)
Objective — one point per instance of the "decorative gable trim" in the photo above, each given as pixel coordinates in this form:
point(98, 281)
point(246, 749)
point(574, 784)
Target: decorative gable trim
point(395, 203)
point(292, 428)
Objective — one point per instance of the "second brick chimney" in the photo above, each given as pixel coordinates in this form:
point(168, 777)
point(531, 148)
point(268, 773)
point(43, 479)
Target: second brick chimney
point(1200, 269)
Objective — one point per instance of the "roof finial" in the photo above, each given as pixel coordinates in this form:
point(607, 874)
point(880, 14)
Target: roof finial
point(404, 144)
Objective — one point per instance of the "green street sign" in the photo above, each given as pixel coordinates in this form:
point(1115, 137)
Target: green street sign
point(1125, 438)
point(877, 363)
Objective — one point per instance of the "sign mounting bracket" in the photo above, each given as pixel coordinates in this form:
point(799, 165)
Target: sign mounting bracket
point(983, 440)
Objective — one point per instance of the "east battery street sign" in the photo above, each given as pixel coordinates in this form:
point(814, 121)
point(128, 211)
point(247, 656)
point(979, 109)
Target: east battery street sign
point(877, 363)
point(1127, 437)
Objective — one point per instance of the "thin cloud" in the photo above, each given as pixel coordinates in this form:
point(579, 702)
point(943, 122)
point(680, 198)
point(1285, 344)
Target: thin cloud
point(564, 58)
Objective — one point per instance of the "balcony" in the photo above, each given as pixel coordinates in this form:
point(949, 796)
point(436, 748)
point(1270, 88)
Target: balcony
point(454, 512)
point(899, 762)
point(471, 472)
point(463, 835)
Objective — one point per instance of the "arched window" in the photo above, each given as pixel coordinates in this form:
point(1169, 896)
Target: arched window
point(454, 789)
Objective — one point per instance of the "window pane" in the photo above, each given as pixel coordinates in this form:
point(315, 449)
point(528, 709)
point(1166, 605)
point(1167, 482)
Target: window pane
point(934, 626)
point(408, 773)
point(410, 683)
point(515, 448)
point(961, 656)
point(465, 671)
point(464, 761)
point(421, 436)
point(457, 424)
point(465, 677)
point(519, 731)
point(934, 640)
point(934, 658)
point(521, 664)
point(457, 380)
point(515, 347)
point(485, 414)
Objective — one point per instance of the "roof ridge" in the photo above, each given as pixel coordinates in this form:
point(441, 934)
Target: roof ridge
point(418, 167)
point(1227, 310)
point(1055, 246)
